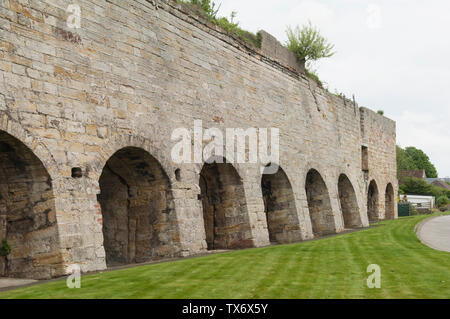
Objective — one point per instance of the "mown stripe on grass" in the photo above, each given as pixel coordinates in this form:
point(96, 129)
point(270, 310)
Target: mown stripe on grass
point(328, 268)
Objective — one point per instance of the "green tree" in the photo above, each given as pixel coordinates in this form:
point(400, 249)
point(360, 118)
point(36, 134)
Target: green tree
point(404, 161)
point(418, 186)
point(422, 161)
point(307, 43)
point(442, 201)
point(414, 158)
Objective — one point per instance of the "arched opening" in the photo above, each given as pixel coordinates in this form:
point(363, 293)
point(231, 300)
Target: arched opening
point(139, 221)
point(319, 204)
point(225, 212)
point(280, 209)
point(389, 202)
point(27, 213)
point(372, 202)
point(349, 203)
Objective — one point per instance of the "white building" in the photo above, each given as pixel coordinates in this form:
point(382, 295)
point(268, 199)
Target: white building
point(419, 201)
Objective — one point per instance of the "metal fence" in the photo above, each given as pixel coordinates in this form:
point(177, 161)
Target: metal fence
point(422, 205)
point(403, 210)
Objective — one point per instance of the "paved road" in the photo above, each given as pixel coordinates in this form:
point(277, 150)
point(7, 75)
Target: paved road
point(12, 282)
point(435, 233)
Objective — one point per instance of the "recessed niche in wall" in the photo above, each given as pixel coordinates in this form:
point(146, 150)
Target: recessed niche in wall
point(77, 172)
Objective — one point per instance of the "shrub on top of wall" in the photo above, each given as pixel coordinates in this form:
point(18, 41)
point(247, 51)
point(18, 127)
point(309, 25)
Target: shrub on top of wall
point(309, 45)
point(209, 10)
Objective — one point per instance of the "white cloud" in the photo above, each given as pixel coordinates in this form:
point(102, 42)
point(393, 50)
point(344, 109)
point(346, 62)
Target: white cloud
point(314, 11)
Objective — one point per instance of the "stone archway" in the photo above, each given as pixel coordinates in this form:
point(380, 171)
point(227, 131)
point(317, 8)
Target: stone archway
point(139, 220)
point(389, 202)
point(225, 213)
point(349, 203)
point(27, 213)
point(319, 204)
point(280, 209)
point(372, 202)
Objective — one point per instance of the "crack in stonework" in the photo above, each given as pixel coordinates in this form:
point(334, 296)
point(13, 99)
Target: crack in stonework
point(314, 96)
point(153, 2)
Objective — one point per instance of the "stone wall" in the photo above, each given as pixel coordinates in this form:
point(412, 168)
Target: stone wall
point(127, 78)
point(272, 48)
point(279, 203)
point(225, 211)
point(27, 212)
point(349, 203)
point(139, 221)
point(379, 136)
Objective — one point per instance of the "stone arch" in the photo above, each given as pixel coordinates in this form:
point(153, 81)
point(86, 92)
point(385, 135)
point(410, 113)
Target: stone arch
point(40, 150)
point(139, 219)
point(348, 203)
point(373, 205)
point(279, 205)
point(389, 202)
point(27, 212)
point(119, 141)
point(319, 204)
point(225, 213)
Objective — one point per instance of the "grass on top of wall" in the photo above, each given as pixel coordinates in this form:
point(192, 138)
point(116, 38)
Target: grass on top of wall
point(334, 267)
point(209, 9)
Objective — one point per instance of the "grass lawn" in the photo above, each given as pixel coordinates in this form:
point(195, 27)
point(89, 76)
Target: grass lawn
point(330, 268)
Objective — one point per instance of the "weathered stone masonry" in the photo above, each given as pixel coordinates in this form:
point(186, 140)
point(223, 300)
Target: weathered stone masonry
point(86, 118)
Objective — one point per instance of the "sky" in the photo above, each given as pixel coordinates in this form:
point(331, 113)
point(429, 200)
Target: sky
point(392, 55)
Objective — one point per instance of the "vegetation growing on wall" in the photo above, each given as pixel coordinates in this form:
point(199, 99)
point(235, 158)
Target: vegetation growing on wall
point(209, 10)
point(313, 75)
point(5, 250)
point(305, 42)
point(412, 158)
point(309, 45)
